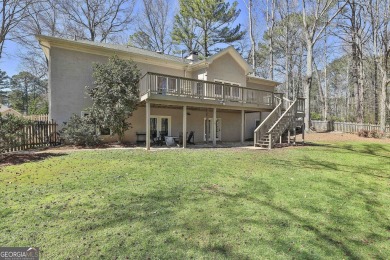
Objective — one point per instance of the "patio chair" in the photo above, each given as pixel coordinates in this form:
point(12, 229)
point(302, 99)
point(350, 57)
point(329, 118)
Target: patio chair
point(153, 137)
point(161, 139)
point(191, 138)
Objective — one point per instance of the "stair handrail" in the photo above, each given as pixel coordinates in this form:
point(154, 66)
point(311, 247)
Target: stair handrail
point(270, 137)
point(287, 102)
point(280, 118)
point(263, 124)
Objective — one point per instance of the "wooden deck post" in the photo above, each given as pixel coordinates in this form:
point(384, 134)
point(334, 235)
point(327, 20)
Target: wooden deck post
point(303, 133)
point(295, 134)
point(184, 126)
point(289, 134)
point(242, 126)
point(214, 127)
point(147, 125)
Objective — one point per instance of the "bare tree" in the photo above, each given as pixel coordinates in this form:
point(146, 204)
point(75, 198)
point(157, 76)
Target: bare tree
point(352, 31)
point(383, 58)
point(12, 12)
point(44, 18)
point(270, 29)
point(314, 14)
point(96, 20)
point(155, 26)
point(249, 6)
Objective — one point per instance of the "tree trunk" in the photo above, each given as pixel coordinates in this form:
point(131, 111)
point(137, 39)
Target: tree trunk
point(361, 91)
point(253, 44)
point(382, 115)
point(270, 22)
point(325, 111)
point(308, 81)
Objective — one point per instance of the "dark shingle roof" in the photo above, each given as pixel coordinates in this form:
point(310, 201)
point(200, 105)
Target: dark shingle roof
point(135, 50)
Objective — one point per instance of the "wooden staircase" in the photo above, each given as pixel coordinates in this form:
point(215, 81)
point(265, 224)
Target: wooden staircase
point(284, 119)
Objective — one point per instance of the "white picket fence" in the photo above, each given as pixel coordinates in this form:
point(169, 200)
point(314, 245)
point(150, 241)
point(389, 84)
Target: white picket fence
point(345, 127)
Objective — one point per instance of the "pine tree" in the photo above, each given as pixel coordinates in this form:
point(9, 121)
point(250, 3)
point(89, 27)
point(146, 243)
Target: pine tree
point(208, 22)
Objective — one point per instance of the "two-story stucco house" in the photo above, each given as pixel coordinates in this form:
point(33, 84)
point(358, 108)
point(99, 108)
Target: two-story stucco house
point(215, 99)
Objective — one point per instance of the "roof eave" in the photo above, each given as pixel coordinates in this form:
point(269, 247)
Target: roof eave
point(47, 42)
point(263, 81)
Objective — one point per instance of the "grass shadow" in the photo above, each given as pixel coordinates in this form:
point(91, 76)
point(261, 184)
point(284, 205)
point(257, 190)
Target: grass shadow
point(20, 158)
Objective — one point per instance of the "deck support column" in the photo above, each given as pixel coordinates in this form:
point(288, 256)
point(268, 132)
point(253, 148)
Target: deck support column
point(242, 126)
point(295, 134)
point(303, 133)
point(147, 125)
point(184, 126)
point(289, 134)
point(214, 127)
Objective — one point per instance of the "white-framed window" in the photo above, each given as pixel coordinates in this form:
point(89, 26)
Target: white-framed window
point(172, 85)
point(199, 91)
point(231, 90)
point(162, 85)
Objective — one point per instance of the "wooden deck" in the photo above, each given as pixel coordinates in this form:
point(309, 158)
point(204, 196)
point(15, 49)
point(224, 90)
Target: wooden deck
point(154, 86)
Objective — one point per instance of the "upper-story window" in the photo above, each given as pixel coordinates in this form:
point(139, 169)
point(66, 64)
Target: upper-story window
point(229, 89)
point(166, 85)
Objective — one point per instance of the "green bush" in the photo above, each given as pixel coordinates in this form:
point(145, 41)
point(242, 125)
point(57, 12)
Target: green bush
point(371, 134)
point(11, 131)
point(80, 131)
point(376, 134)
point(364, 133)
point(315, 116)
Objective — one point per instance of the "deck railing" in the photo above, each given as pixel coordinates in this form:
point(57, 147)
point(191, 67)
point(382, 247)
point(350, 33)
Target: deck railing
point(278, 128)
point(167, 85)
point(268, 122)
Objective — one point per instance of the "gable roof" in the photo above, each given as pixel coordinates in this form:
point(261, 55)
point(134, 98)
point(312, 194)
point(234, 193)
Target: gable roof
point(136, 50)
point(256, 79)
point(229, 50)
point(56, 41)
point(141, 55)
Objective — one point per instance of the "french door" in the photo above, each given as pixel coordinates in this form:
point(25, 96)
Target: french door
point(160, 125)
point(207, 129)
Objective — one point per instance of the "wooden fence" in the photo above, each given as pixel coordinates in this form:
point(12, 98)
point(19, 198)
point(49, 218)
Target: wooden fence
point(34, 135)
point(41, 118)
point(345, 127)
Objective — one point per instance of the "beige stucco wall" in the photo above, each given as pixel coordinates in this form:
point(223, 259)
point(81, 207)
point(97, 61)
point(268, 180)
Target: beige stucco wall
point(70, 71)
point(227, 69)
point(230, 123)
point(250, 122)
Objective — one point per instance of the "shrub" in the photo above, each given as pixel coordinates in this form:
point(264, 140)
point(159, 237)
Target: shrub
point(315, 116)
point(80, 131)
point(11, 131)
point(363, 133)
point(115, 94)
point(371, 134)
point(376, 134)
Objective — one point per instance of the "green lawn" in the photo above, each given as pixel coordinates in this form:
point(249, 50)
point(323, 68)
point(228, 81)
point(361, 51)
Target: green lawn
point(328, 201)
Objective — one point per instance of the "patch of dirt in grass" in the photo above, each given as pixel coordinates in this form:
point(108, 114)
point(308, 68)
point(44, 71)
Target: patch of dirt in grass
point(24, 157)
point(341, 137)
